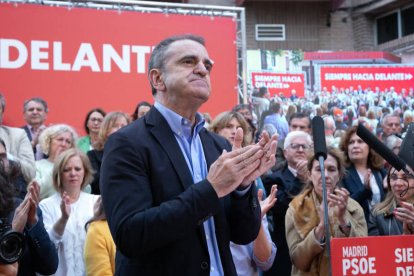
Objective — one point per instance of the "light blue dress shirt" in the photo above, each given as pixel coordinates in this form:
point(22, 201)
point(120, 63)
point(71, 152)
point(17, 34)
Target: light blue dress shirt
point(192, 149)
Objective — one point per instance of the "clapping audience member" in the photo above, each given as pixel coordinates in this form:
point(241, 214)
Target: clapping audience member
point(141, 109)
point(53, 141)
point(92, 125)
point(67, 211)
point(259, 254)
point(395, 214)
point(35, 113)
point(305, 228)
point(99, 246)
point(112, 122)
point(39, 254)
point(290, 179)
point(365, 171)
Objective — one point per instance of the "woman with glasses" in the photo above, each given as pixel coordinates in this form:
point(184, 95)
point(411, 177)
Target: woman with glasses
point(53, 141)
point(395, 215)
point(365, 172)
point(92, 125)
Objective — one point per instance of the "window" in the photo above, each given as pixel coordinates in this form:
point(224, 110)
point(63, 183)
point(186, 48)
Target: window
point(387, 28)
point(407, 21)
point(395, 25)
point(270, 32)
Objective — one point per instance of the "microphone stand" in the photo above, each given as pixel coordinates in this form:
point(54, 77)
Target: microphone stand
point(325, 213)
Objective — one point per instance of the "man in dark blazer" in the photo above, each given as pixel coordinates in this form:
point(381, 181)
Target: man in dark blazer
point(175, 194)
point(35, 113)
point(290, 179)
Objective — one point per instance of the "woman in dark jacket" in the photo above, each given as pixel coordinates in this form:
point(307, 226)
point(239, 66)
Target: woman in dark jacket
point(364, 173)
point(39, 254)
point(112, 122)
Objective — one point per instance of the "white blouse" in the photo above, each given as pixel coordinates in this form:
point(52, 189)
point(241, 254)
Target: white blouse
point(71, 244)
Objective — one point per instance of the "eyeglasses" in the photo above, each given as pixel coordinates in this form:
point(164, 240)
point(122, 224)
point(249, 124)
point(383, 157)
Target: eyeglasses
point(406, 177)
point(297, 146)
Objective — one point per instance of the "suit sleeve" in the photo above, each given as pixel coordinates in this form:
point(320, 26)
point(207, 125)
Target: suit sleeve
point(25, 157)
point(138, 224)
point(43, 251)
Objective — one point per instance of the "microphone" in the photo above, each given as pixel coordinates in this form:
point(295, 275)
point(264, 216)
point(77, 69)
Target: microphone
point(380, 148)
point(319, 143)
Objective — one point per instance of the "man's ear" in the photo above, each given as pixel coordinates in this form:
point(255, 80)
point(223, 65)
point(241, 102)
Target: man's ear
point(156, 79)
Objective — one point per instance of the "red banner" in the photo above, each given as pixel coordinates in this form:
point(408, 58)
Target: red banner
point(278, 83)
point(386, 255)
point(81, 58)
point(383, 77)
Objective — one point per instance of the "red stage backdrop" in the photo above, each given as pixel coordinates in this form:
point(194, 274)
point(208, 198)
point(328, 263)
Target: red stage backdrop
point(280, 82)
point(383, 77)
point(385, 255)
point(81, 58)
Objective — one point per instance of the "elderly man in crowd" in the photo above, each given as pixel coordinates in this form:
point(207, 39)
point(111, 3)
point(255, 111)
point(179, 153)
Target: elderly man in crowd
point(35, 113)
point(289, 180)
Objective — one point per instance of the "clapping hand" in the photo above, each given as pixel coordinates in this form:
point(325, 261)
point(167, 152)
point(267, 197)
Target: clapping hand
point(65, 206)
point(405, 213)
point(268, 159)
point(26, 212)
point(269, 202)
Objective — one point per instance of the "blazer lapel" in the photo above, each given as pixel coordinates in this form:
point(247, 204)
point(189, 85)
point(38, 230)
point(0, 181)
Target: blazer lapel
point(165, 137)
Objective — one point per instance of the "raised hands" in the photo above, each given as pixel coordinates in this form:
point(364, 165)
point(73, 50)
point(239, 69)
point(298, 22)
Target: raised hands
point(405, 214)
point(242, 165)
point(65, 206)
point(26, 212)
point(229, 170)
point(267, 161)
point(269, 202)
point(340, 200)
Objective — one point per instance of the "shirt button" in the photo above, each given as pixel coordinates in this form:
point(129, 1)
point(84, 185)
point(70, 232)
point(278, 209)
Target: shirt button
point(204, 265)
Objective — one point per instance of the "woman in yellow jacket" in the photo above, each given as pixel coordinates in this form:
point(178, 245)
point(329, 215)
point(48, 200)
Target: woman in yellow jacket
point(100, 248)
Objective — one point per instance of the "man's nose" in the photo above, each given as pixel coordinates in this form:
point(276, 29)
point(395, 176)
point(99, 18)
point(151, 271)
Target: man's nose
point(201, 69)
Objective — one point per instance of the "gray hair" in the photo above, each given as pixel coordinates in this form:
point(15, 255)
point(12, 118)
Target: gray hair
point(51, 132)
point(158, 54)
point(37, 100)
point(296, 134)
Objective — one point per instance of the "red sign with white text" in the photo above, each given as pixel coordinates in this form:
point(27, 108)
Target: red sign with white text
point(278, 83)
point(81, 58)
point(383, 77)
point(385, 255)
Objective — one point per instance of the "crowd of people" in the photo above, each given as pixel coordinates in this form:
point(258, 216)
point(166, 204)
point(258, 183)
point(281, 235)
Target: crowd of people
point(166, 191)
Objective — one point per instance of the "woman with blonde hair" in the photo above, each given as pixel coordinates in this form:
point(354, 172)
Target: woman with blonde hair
point(112, 122)
point(395, 214)
point(99, 246)
point(305, 227)
point(226, 124)
point(53, 141)
point(258, 255)
point(66, 212)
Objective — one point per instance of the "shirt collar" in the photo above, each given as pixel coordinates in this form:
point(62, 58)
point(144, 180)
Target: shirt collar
point(178, 124)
